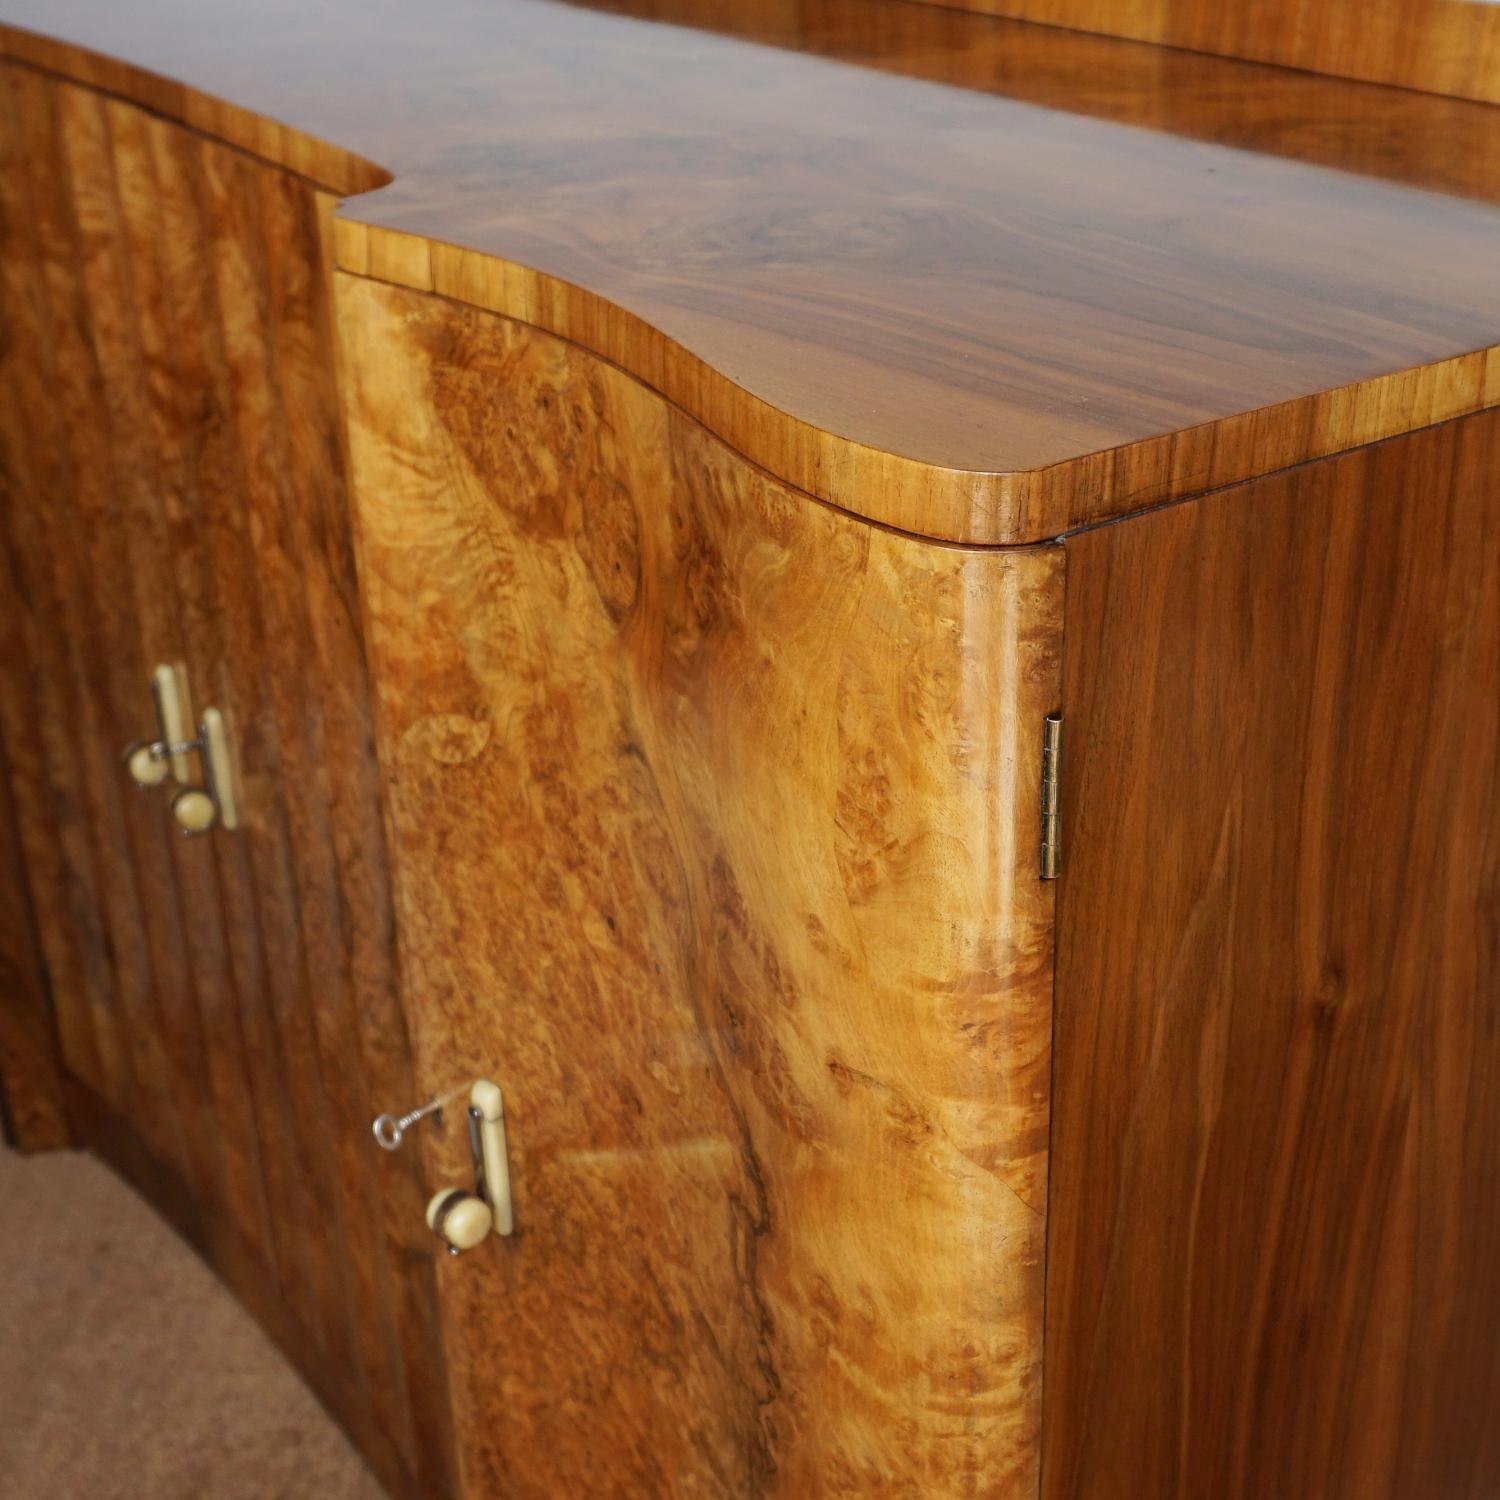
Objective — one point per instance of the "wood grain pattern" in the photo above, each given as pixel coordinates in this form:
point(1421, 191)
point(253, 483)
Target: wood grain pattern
point(1424, 140)
point(173, 468)
point(33, 1115)
point(37, 716)
point(323, 163)
point(933, 304)
point(1276, 1136)
point(715, 820)
point(52, 388)
point(1442, 46)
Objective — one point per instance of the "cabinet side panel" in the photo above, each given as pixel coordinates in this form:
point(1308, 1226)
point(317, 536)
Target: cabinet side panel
point(716, 821)
point(1276, 1141)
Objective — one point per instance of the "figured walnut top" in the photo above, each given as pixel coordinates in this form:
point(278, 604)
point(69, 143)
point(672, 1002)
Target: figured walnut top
point(977, 279)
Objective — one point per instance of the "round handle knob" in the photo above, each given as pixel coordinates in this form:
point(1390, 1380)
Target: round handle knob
point(194, 810)
point(146, 767)
point(462, 1219)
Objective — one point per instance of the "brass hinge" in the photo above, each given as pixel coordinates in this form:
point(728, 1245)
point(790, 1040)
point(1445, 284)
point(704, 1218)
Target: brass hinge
point(1051, 795)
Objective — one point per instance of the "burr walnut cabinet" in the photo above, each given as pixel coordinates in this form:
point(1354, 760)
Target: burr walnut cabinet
point(889, 616)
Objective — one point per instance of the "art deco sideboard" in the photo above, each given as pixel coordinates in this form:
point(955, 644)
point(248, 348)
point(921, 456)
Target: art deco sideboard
point(888, 616)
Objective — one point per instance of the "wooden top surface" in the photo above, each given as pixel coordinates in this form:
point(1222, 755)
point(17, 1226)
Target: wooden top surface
point(1444, 46)
point(977, 279)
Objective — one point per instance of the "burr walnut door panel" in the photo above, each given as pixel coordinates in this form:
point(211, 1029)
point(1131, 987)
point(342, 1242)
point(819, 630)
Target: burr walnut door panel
point(1275, 1214)
point(715, 819)
point(171, 456)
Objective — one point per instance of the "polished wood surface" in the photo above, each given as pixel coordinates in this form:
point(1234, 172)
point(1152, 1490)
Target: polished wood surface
point(33, 1115)
point(715, 829)
point(713, 806)
point(1424, 140)
point(931, 304)
point(1276, 1140)
point(173, 482)
point(1443, 46)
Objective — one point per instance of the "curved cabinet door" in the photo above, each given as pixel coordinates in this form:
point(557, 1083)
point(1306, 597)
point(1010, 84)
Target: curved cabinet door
point(173, 493)
point(716, 846)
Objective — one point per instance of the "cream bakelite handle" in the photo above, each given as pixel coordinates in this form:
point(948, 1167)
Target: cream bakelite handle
point(147, 764)
point(169, 689)
point(463, 1218)
point(150, 762)
point(487, 1110)
point(194, 810)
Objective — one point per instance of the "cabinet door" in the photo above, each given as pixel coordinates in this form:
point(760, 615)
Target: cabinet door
point(87, 606)
point(716, 817)
point(173, 469)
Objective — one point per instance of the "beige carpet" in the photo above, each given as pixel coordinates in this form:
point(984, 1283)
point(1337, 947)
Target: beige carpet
point(127, 1372)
